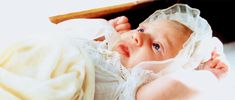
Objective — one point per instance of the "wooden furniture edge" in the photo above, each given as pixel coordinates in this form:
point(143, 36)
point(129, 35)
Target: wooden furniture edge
point(98, 12)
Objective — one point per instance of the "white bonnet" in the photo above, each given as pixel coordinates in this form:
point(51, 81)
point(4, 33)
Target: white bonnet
point(186, 15)
point(200, 44)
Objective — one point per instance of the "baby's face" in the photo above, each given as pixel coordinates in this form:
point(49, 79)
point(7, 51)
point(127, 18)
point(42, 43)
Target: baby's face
point(155, 41)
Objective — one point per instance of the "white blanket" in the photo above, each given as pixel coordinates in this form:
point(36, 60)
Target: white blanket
point(44, 67)
point(47, 66)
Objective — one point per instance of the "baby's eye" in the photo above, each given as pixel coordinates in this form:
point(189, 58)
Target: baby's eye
point(140, 30)
point(156, 46)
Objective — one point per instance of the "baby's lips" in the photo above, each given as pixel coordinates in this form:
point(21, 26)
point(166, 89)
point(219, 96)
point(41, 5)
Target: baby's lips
point(123, 49)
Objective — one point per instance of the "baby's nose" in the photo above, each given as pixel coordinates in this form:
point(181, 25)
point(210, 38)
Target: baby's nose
point(137, 38)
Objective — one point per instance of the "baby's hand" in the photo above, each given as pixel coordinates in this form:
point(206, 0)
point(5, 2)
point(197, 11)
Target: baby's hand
point(216, 65)
point(121, 24)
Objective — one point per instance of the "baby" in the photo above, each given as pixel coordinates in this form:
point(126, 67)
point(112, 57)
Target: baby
point(179, 33)
point(156, 41)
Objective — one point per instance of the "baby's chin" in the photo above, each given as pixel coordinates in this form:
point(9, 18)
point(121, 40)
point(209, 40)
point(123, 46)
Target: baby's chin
point(124, 61)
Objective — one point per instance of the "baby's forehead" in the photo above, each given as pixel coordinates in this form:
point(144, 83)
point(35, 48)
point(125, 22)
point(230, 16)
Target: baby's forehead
point(167, 24)
point(163, 22)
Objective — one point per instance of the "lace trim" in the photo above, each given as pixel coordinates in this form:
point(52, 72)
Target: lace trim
point(105, 58)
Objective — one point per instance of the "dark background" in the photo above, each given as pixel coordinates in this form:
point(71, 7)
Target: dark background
point(219, 13)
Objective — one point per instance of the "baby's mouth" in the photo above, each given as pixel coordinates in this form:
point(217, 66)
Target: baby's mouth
point(123, 50)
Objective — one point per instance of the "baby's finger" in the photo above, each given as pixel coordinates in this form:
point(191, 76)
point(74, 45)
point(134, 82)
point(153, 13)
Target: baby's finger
point(123, 27)
point(122, 20)
point(200, 67)
point(222, 66)
point(214, 54)
point(214, 62)
point(113, 22)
